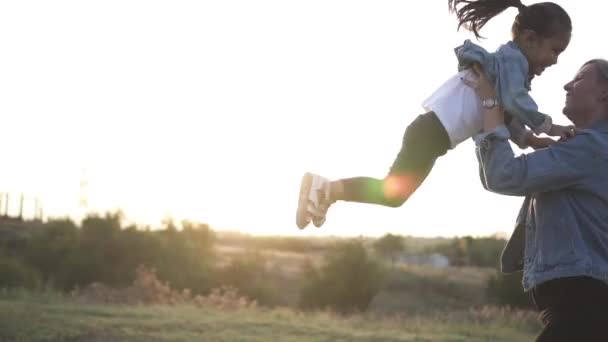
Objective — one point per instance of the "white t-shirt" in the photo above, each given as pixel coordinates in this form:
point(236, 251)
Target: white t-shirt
point(458, 108)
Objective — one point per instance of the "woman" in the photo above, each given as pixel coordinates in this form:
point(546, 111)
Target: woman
point(561, 235)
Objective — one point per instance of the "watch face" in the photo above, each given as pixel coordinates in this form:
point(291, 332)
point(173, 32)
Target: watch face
point(489, 103)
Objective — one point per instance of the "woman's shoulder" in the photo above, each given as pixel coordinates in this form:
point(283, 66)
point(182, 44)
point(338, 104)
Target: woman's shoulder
point(596, 136)
point(591, 143)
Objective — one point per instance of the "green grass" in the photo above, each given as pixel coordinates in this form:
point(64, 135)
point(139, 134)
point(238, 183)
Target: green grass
point(32, 317)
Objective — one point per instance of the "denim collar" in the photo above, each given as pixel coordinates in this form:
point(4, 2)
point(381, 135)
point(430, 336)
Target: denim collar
point(601, 126)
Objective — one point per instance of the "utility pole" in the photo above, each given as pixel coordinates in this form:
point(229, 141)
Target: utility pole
point(84, 196)
point(21, 200)
point(37, 210)
point(6, 205)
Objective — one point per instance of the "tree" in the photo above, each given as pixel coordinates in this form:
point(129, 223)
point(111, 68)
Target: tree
point(348, 280)
point(389, 246)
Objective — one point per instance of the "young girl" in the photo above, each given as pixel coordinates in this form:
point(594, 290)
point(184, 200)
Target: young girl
point(541, 32)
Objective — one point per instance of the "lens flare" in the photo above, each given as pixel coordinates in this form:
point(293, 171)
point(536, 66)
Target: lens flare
point(400, 186)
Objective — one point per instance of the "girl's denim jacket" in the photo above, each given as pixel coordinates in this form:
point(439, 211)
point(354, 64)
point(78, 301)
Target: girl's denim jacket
point(508, 69)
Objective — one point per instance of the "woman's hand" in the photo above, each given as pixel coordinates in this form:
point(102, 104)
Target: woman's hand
point(484, 88)
point(493, 117)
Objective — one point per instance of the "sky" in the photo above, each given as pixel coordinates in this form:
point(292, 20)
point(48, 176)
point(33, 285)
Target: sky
point(211, 111)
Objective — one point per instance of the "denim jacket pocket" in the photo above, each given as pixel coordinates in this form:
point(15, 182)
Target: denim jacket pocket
point(556, 248)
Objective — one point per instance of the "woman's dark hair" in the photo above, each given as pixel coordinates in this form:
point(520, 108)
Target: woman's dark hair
point(545, 18)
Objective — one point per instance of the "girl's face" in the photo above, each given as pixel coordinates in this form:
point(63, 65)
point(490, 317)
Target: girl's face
point(543, 52)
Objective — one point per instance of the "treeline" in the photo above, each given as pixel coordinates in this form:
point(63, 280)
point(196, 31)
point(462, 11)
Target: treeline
point(62, 256)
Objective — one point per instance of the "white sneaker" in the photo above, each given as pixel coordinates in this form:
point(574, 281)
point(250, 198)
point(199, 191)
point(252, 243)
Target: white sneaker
point(313, 201)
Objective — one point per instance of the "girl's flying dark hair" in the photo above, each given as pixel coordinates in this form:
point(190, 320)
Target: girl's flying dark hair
point(544, 18)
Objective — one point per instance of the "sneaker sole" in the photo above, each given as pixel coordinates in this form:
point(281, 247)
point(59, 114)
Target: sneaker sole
point(318, 223)
point(302, 219)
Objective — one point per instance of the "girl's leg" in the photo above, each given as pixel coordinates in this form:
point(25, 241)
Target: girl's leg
point(424, 141)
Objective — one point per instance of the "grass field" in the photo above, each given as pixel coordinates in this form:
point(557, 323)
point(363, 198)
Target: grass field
point(34, 317)
point(415, 302)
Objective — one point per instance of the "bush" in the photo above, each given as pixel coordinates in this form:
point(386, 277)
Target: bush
point(48, 249)
point(347, 282)
point(389, 246)
point(185, 258)
point(15, 274)
point(247, 273)
point(506, 289)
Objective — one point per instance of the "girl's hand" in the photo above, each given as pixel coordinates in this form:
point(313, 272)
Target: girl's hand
point(564, 132)
point(538, 142)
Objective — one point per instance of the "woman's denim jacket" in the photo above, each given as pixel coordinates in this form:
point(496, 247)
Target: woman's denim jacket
point(562, 227)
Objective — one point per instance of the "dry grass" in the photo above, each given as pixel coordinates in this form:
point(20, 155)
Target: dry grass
point(147, 289)
point(149, 310)
point(417, 304)
point(35, 317)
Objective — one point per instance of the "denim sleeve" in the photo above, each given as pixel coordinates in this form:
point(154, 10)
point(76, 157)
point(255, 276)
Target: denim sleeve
point(518, 133)
point(559, 166)
point(515, 97)
point(501, 133)
point(469, 53)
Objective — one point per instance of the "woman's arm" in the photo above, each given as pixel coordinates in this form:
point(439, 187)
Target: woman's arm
point(493, 117)
point(556, 167)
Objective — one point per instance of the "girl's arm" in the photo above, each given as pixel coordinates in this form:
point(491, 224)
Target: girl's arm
point(525, 138)
point(516, 99)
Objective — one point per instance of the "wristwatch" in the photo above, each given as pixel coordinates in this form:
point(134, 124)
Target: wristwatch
point(489, 103)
